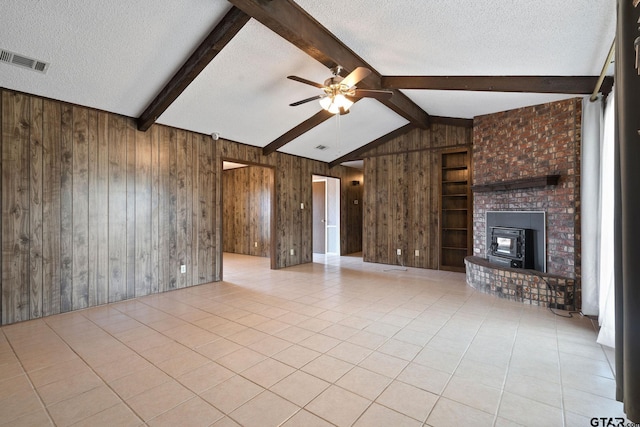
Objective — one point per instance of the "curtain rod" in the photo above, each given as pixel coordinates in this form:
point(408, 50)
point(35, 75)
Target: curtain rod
point(594, 95)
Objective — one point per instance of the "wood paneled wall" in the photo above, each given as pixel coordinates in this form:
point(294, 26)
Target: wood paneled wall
point(94, 211)
point(292, 225)
point(246, 204)
point(401, 196)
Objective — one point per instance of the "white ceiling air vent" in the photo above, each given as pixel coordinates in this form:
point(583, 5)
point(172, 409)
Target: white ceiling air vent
point(23, 61)
point(321, 147)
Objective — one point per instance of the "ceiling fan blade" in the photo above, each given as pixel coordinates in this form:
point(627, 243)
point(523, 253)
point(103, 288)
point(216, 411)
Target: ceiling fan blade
point(370, 93)
point(304, 101)
point(355, 76)
point(305, 81)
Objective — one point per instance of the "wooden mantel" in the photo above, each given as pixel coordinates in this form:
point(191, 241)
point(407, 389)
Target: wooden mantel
point(538, 181)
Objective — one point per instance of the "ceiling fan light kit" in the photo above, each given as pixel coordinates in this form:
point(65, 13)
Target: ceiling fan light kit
point(341, 93)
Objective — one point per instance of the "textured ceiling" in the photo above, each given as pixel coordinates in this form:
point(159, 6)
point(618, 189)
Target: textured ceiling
point(117, 56)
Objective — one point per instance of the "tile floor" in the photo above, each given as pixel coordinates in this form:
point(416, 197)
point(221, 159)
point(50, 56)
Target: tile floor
point(337, 342)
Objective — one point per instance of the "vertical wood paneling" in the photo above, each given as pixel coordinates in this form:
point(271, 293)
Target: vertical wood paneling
point(206, 253)
point(66, 209)
point(247, 210)
point(35, 211)
point(51, 156)
point(15, 207)
point(143, 220)
point(181, 205)
point(155, 209)
point(117, 209)
point(130, 260)
point(109, 212)
point(194, 208)
point(173, 262)
point(80, 206)
point(99, 213)
point(401, 196)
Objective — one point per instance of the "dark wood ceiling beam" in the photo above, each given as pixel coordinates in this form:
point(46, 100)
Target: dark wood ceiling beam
point(578, 85)
point(226, 29)
point(452, 121)
point(303, 127)
point(357, 153)
point(291, 22)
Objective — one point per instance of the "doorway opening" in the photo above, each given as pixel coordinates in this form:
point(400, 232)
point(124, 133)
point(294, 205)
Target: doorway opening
point(326, 215)
point(247, 216)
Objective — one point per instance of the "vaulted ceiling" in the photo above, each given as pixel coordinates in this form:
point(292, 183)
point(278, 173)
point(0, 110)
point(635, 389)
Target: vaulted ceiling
point(221, 66)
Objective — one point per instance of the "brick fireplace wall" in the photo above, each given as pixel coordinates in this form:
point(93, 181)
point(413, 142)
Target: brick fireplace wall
point(525, 143)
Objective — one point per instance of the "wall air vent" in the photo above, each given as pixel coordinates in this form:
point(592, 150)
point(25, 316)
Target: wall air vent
point(23, 61)
point(321, 147)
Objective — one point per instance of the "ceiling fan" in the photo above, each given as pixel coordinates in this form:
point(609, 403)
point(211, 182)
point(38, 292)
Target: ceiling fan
point(340, 92)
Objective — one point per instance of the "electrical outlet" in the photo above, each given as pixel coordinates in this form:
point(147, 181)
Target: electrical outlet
point(417, 252)
point(398, 251)
point(301, 205)
point(183, 268)
point(292, 252)
point(255, 244)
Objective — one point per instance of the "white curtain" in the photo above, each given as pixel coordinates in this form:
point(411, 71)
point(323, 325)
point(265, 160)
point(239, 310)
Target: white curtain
point(606, 316)
point(590, 202)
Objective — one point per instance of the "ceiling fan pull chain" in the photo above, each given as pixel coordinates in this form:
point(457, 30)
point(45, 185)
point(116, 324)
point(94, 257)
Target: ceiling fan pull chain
point(338, 133)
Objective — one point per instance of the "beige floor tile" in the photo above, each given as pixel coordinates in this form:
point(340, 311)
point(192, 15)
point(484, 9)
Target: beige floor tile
point(266, 409)
point(14, 385)
point(348, 352)
point(338, 406)
point(82, 406)
point(183, 364)
point(240, 359)
point(270, 345)
point(205, 377)
point(268, 372)
point(368, 339)
point(423, 377)
point(300, 387)
point(482, 373)
point(327, 368)
point(528, 412)
point(306, 419)
point(384, 364)
point(19, 404)
point(320, 343)
point(472, 393)
point(225, 422)
point(194, 412)
point(119, 415)
point(69, 386)
point(416, 333)
point(363, 382)
point(400, 349)
point(217, 349)
point(408, 400)
point(10, 368)
point(158, 400)
point(38, 418)
point(296, 356)
point(119, 368)
point(247, 337)
point(590, 405)
point(534, 388)
point(380, 416)
point(231, 393)
point(139, 382)
point(449, 413)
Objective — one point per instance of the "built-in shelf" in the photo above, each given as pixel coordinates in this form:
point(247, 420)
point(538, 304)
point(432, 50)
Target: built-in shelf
point(539, 181)
point(455, 209)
